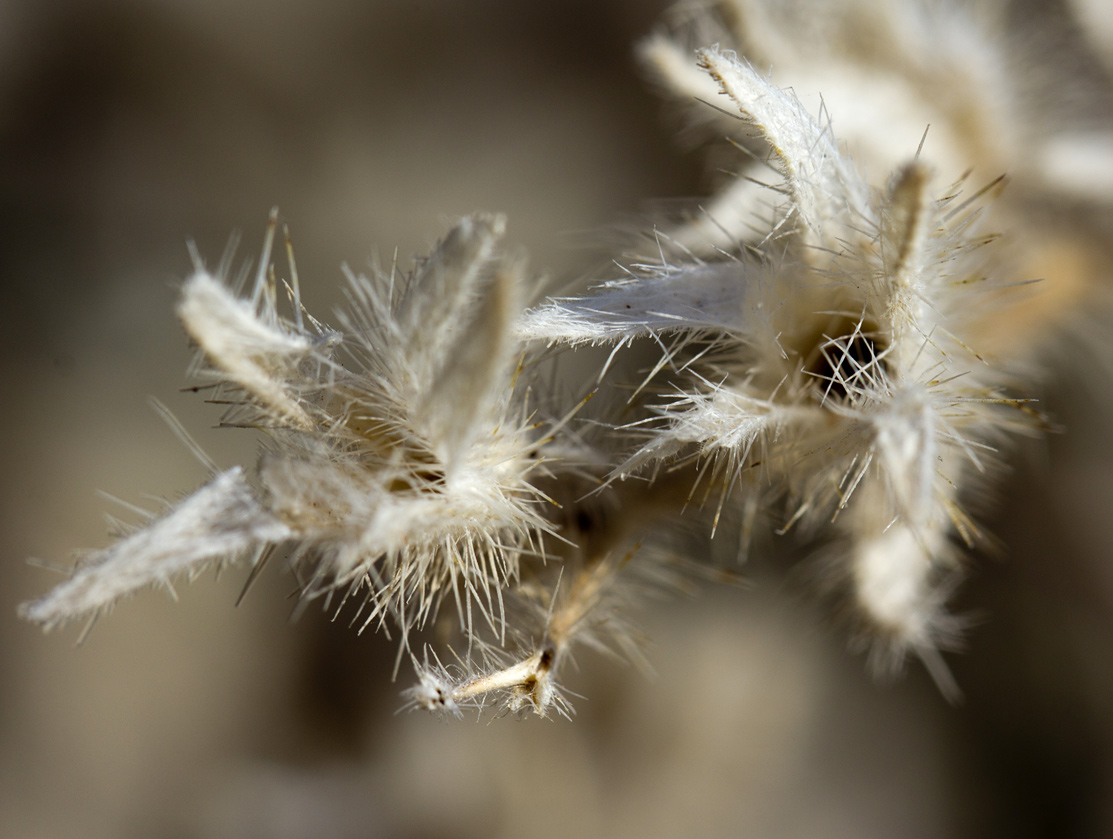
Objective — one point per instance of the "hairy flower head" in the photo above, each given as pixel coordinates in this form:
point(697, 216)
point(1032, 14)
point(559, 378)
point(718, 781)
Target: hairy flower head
point(396, 459)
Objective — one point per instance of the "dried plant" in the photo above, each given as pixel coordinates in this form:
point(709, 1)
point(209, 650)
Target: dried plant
point(843, 353)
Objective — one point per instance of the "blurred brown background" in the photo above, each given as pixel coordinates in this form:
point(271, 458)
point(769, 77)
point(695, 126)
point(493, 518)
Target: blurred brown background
point(126, 128)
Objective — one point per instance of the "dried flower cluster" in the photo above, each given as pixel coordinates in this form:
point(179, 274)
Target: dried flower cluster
point(834, 356)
